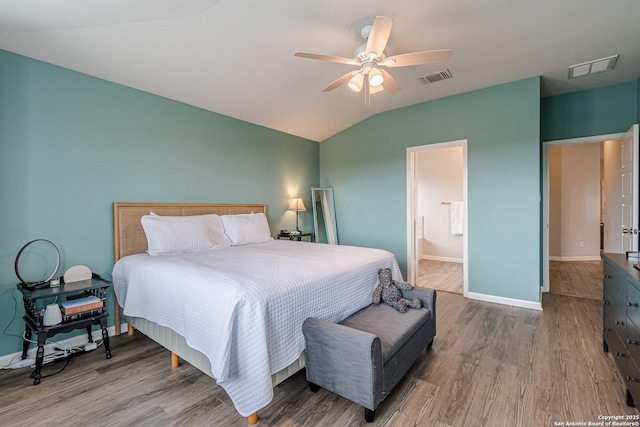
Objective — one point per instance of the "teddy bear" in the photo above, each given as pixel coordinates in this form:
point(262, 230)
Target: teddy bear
point(388, 290)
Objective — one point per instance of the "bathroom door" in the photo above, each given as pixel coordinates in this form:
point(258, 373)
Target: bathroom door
point(629, 163)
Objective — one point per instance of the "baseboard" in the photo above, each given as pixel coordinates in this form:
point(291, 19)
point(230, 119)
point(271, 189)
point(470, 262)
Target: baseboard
point(505, 301)
point(442, 258)
point(75, 341)
point(575, 258)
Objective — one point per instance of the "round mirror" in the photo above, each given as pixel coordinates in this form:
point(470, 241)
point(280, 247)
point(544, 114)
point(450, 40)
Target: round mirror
point(37, 262)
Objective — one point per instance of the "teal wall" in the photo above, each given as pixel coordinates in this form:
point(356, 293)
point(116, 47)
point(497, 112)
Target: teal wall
point(366, 166)
point(71, 145)
point(601, 111)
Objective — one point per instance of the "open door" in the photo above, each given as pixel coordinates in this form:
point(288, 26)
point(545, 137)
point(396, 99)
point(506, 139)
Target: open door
point(611, 227)
point(629, 188)
point(416, 224)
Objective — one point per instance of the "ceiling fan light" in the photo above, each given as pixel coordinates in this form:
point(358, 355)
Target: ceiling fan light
point(355, 84)
point(375, 77)
point(376, 89)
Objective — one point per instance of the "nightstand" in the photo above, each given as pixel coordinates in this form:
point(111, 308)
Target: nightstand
point(297, 237)
point(33, 318)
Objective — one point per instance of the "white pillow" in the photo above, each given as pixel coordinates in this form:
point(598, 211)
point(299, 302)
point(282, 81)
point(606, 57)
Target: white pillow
point(244, 229)
point(179, 234)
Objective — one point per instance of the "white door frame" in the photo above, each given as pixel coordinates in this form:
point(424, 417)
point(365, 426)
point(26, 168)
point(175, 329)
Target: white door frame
point(412, 270)
point(546, 145)
point(629, 142)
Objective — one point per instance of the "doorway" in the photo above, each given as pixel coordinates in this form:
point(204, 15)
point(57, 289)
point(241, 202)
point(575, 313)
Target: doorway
point(437, 216)
point(565, 239)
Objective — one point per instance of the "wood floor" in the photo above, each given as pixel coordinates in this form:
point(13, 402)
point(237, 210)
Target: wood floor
point(440, 275)
point(581, 279)
point(490, 365)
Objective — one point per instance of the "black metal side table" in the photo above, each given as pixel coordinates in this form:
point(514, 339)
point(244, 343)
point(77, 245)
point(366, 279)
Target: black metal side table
point(33, 317)
point(298, 237)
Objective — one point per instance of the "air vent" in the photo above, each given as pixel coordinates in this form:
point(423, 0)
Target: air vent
point(435, 77)
point(593, 67)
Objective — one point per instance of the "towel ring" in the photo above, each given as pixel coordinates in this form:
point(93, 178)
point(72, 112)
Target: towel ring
point(48, 279)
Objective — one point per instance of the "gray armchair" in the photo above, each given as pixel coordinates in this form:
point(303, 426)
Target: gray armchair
point(367, 354)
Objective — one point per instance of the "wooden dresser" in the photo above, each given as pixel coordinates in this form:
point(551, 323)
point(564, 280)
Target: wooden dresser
point(621, 319)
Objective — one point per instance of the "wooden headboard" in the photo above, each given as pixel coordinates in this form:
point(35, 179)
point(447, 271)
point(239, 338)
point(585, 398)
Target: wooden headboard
point(129, 237)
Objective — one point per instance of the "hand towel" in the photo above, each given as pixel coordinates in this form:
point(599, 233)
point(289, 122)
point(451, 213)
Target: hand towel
point(456, 218)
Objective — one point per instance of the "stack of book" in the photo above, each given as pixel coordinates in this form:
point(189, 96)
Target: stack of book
point(81, 308)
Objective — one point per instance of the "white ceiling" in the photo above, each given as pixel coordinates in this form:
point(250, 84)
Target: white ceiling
point(235, 57)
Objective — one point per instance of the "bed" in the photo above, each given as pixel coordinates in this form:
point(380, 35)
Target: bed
point(236, 313)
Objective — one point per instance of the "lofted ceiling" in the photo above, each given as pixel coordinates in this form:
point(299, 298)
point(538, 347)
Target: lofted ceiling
point(236, 57)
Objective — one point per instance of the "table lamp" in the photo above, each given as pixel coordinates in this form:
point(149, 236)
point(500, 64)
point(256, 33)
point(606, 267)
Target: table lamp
point(297, 206)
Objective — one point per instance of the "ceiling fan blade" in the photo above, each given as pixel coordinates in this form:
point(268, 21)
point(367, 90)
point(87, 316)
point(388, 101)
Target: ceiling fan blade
point(339, 82)
point(417, 58)
point(379, 35)
point(390, 83)
point(329, 58)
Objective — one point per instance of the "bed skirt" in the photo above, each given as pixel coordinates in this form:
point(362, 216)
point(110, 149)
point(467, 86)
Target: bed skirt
point(178, 345)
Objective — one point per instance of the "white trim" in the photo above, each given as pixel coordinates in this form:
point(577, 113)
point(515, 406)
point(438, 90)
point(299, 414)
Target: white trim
point(411, 249)
point(506, 301)
point(412, 270)
point(442, 258)
point(75, 341)
point(584, 140)
point(545, 192)
point(575, 258)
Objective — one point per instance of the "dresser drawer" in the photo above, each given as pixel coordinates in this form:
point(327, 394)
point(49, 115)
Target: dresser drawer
point(616, 348)
point(614, 286)
point(613, 311)
point(632, 380)
point(632, 341)
point(615, 318)
point(608, 318)
point(633, 304)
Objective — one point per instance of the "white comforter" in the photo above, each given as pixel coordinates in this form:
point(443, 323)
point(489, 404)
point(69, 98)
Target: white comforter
point(243, 306)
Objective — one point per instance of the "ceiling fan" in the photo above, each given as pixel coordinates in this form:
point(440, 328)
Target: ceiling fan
point(371, 59)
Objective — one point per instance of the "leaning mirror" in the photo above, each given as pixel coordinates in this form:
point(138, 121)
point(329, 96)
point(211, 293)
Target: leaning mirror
point(324, 215)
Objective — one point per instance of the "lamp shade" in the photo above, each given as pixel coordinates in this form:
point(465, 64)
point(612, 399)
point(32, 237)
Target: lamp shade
point(296, 205)
point(355, 84)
